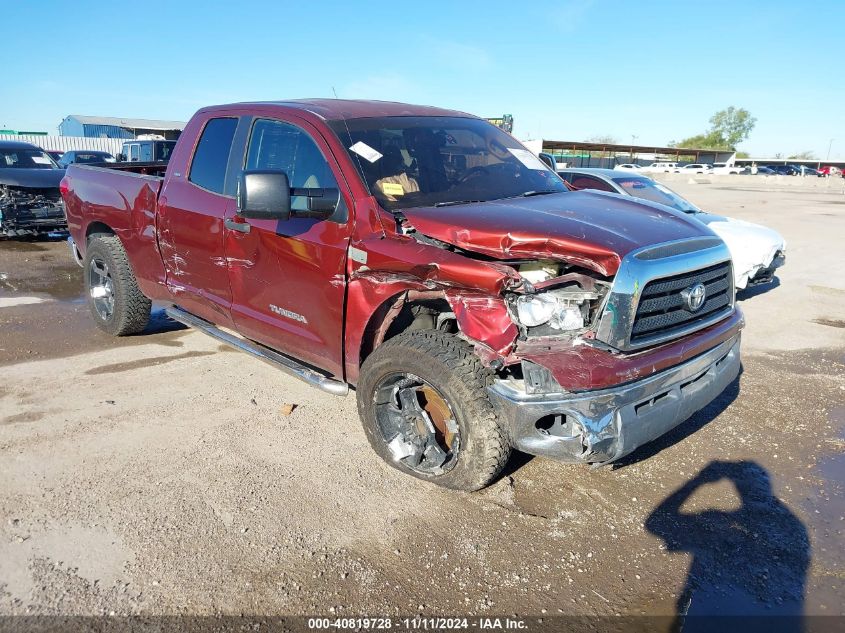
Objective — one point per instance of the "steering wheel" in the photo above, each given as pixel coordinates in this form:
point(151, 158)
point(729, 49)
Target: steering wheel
point(499, 170)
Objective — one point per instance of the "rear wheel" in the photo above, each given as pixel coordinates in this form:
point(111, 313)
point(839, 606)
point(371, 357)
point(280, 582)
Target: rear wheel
point(117, 304)
point(422, 399)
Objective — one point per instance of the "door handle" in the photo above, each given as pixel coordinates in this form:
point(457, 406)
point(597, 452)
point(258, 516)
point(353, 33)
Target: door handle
point(230, 224)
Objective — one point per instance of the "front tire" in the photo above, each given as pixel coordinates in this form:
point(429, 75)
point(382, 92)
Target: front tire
point(117, 304)
point(422, 398)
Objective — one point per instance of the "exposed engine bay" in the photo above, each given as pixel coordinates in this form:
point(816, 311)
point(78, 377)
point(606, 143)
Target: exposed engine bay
point(30, 210)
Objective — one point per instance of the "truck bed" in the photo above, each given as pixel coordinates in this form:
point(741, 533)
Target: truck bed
point(125, 201)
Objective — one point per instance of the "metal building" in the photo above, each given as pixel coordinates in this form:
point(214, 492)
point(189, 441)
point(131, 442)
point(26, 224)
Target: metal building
point(114, 127)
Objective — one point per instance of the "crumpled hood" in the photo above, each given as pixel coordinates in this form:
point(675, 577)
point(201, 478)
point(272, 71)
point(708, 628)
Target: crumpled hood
point(36, 178)
point(588, 228)
point(752, 246)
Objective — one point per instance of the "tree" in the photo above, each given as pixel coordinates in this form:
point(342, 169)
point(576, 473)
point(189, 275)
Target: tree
point(808, 155)
point(733, 124)
point(728, 128)
point(709, 140)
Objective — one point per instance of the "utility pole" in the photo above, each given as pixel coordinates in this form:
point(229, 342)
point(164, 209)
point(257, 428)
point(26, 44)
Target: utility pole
point(829, 145)
point(634, 137)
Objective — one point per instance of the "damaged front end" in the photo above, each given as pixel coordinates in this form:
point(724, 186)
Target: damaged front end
point(30, 211)
point(590, 362)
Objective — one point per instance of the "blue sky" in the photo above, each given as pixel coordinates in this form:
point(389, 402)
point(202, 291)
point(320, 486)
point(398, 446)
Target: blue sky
point(565, 70)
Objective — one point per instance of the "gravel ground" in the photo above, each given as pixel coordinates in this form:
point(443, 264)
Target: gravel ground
point(158, 475)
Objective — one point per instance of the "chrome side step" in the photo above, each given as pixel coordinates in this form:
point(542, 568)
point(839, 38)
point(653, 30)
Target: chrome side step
point(287, 365)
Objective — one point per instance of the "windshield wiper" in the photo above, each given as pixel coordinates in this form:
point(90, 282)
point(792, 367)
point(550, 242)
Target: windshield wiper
point(452, 203)
point(541, 192)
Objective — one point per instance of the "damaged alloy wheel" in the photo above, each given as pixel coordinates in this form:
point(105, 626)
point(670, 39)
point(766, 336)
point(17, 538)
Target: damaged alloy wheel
point(422, 398)
point(417, 424)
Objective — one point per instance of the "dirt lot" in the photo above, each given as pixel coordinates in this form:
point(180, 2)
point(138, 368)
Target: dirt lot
point(157, 474)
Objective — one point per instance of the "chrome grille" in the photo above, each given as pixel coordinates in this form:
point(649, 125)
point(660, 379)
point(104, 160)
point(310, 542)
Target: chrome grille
point(662, 311)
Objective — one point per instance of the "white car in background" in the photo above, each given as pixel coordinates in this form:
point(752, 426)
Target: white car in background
point(660, 168)
point(694, 168)
point(726, 169)
point(757, 251)
point(628, 167)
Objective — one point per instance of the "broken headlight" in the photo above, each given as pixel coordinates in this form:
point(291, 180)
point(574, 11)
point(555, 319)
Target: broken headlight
point(562, 309)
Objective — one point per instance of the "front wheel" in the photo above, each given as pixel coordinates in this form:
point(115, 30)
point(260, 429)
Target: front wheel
point(422, 399)
point(117, 304)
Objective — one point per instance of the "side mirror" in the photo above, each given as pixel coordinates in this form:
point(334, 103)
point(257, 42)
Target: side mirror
point(550, 161)
point(264, 194)
point(322, 202)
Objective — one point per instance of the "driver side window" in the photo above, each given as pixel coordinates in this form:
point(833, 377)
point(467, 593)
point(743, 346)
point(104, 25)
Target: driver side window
point(279, 145)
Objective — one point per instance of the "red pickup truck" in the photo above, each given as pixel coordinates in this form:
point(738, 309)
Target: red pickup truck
point(427, 258)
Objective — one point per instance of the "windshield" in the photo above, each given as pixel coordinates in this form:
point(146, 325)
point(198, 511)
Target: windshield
point(424, 161)
point(647, 189)
point(25, 158)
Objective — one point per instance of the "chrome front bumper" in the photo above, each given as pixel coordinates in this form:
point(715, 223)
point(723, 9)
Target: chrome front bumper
point(599, 427)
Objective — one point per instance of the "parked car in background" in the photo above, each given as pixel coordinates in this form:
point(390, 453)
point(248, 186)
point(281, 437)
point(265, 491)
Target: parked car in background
point(726, 169)
point(759, 171)
point(659, 167)
point(757, 251)
point(810, 171)
point(628, 167)
point(432, 261)
point(694, 168)
point(785, 170)
point(55, 154)
point(30, 202)
point(146, 151)
point(82, 156)
point(830, 170)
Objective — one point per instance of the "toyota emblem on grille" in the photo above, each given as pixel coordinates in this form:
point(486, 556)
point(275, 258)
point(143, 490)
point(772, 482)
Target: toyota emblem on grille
point(694, 297)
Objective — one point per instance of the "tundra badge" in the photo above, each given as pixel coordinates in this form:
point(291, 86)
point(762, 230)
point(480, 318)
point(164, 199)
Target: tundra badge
point(288, 314)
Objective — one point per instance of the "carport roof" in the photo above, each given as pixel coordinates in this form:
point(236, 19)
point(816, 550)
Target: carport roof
point(636, 149)
point(143, 124)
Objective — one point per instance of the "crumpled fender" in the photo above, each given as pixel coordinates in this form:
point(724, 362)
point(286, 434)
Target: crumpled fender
point(387, 272)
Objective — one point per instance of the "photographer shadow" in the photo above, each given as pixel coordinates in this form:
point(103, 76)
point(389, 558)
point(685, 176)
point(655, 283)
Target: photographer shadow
point(747, 562)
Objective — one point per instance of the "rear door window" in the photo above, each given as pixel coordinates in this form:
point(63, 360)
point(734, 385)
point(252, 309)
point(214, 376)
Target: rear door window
point(208, 167)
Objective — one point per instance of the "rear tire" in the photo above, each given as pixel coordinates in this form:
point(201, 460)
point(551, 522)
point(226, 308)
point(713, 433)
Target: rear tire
point(422, 398)
point(117, 304)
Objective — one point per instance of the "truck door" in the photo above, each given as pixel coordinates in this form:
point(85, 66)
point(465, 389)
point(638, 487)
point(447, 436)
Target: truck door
point(288, 277)
point(191, 213)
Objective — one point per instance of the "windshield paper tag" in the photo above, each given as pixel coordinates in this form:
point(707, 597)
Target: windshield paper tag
point(392, 189)
point(528, 159)
point(41, 160)
point(365, 151)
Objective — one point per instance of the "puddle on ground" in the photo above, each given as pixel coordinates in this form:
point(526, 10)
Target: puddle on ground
point(826, 508)
point(22, 246)
point(41, 268)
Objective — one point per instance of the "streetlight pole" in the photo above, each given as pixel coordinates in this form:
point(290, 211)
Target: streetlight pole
point(829, 145)
point(634, 137)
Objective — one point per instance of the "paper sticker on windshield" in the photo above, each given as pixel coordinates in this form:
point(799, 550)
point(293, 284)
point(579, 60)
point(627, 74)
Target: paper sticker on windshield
point(392, 189)
point(41, 160)
point(365, 151)
point(528, 159)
